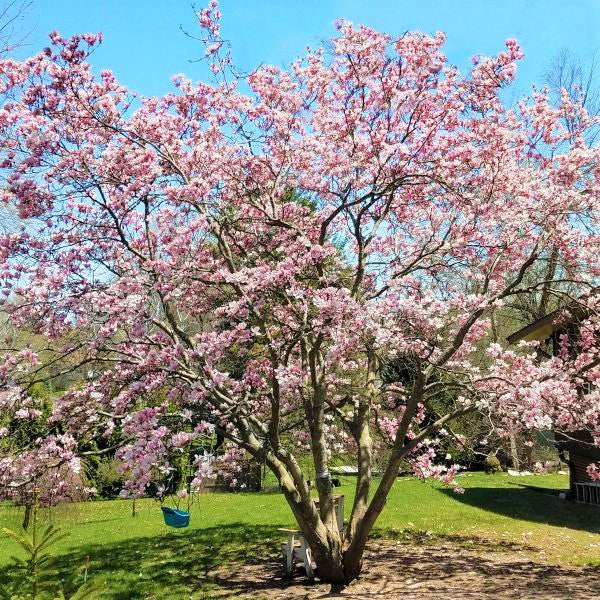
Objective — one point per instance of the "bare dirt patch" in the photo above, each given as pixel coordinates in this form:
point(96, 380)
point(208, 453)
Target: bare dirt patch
point(398, 571)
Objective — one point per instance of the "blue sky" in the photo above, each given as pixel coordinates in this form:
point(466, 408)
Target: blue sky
point(143, 44)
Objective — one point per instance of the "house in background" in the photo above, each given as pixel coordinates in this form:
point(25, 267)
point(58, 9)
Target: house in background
point(576, 448)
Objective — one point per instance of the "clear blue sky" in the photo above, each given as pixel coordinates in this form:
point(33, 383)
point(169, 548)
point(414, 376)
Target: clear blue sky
point(143, 44)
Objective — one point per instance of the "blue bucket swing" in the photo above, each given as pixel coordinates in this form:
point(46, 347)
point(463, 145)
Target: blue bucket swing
point(175, 517)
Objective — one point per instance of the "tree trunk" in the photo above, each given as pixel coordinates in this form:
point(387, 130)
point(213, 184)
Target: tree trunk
point(353, 562)
point(325, 542)
point(514, 453)
point(330, 565)
point(528, 451)
point(333, 564)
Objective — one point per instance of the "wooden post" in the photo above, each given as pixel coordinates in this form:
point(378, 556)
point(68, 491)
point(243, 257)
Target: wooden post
point(27, 516)
point(29, 500)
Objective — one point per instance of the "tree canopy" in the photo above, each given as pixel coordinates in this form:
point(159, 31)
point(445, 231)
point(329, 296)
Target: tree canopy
point(261, 247)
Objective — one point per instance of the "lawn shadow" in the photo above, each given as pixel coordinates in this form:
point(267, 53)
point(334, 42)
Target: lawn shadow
point(531, 503)
point(179, 562)
point(419, 537)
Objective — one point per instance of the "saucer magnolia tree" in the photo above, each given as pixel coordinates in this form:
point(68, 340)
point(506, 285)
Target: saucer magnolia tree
point(261, 252)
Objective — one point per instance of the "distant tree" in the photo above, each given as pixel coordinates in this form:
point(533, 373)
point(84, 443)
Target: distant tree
point(579, 80)
point(13, 34)
point(13, 31)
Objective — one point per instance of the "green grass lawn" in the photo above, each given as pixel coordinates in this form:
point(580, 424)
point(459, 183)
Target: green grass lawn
point(139, 557)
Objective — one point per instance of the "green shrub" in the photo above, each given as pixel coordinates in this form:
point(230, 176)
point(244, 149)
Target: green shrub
point(107, 478)
point(492, 464)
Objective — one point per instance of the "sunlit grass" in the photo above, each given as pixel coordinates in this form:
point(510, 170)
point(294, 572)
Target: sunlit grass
point(139, 557)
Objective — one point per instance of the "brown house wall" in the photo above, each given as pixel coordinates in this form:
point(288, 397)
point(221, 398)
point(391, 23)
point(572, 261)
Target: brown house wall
point(579, 466)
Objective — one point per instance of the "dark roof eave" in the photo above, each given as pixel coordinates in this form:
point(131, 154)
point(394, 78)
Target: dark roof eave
point(529, 331)
point(545, 326)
